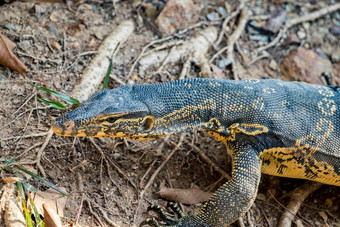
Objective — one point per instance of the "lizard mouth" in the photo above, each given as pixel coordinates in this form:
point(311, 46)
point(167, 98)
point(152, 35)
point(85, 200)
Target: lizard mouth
point(66, 129)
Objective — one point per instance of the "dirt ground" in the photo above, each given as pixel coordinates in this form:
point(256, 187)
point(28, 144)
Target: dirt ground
point(57, 41)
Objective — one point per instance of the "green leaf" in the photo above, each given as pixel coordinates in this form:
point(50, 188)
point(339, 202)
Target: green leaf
point(24, 204)
point(62, 96)
point(108, 72)
point(109, 69)
point(39, 222)
point(56, 105)
point(41, 179)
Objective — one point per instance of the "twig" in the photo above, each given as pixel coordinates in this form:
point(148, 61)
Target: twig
point(26, 136)
point(28, 149)
point(107, 219)
point(292, 22)
point(160, 69)
point(240, 222)
point(296, 199)
point(40, 152)
point(226, 21)
point(194, 47)
point(93, 213)
point(264, 55)
point(185, 68)
point(28, 110)
point(160, 41)
point(152, 178)
point(146, 173)
point(112, 163)
point(26, 101)
point(232, 40)
point(210, 162)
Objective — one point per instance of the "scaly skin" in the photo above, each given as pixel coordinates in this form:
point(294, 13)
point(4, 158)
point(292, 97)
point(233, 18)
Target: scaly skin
point(286, 129)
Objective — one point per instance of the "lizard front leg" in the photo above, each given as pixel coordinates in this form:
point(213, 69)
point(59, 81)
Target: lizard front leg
point(235, 197)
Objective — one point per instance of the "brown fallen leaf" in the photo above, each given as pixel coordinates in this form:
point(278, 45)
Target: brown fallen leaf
point(51, 218)
point(185, 196)
point(7, 58)
point(50, 198)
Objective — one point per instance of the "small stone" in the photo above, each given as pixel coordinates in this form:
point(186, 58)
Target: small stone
point(301, 35)
point(9, 26)
point(56, 45)
point(213, 16)
point(38, 10)
point(292, 39)
point(53, 30)
point(335, 30)
point(329, 202)
point(25, 45)
point(298, 223)
point(177, 14)
point(75, 45)
point(54, 16)
point(261, 196)
point(98, 34)
point(57, 84)
point(222, 11)
point(302, 64)
point(224, 63)
point(134, 77)
point(273, 64)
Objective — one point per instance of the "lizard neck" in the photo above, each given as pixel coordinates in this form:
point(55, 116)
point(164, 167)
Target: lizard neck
point(196, 104)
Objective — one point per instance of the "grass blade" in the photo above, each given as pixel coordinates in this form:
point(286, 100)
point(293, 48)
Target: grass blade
point(62, 96)
point(24, 205)
point(108, 72)
point(56, 105)
point(109, 69)
point(42, 180)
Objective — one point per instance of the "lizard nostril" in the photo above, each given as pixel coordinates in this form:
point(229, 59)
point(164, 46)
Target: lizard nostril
point(62, 127)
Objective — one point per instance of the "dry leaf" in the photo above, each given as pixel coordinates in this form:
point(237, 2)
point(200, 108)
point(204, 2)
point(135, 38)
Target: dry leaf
point(186, 196)
point(12, 179)
point(7, 58)
point(50, 197)
point(51, 218)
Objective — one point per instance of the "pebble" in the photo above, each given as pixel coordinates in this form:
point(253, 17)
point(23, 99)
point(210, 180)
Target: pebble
point(213, 16)
point(302, 64)
point(25, 45)
point(273, 64)
point(298, 223)
point(56, 45)
point(177, 14)
point(222, 11)
point(301, 34)
point(335, 30)
point(53, 30)
point(38, 10)
point(224, 63)
point(9, 26)
point(335, 57)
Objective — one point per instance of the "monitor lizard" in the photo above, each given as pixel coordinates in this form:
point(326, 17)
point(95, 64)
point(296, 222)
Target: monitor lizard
point(287, 129)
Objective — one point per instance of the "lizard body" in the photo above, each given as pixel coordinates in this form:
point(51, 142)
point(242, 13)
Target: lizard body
point(288, 129)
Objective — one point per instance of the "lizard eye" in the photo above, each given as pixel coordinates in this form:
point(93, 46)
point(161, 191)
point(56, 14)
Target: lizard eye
point(111, 119)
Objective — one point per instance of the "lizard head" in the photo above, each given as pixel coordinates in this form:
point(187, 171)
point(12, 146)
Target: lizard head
point(108, 113)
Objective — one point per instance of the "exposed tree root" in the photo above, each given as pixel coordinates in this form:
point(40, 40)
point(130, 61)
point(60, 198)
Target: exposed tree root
point(297, 197)
point(95, 72)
